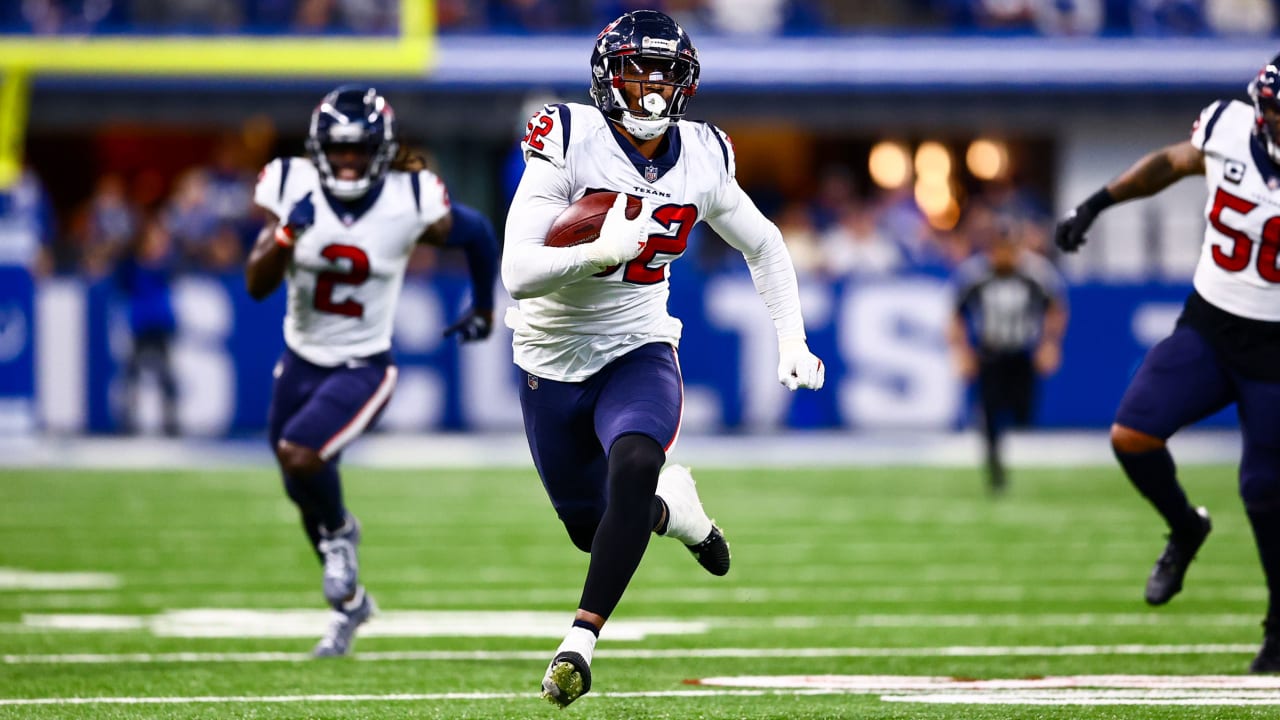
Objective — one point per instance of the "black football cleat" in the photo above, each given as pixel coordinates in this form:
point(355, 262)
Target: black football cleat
point(568, 678)
point(1166, 577)
point(1268, 659)
point(713, 553)
point(687, 521)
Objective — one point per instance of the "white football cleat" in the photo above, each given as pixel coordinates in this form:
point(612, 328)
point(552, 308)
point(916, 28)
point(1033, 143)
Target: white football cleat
point(688, 522)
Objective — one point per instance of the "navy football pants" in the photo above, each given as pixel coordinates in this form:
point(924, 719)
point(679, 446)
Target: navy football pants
point(571, 425)
point(1182, 380)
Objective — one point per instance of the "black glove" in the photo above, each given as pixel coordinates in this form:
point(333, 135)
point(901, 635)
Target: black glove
point(474, 325)
point(1069, 235)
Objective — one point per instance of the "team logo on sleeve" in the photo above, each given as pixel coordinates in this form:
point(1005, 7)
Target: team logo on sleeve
point(1233, 171)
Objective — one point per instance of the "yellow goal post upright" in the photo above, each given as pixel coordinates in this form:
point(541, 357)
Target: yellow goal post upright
point(408, 53)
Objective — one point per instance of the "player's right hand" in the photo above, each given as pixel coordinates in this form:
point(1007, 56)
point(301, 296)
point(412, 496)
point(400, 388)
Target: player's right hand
point(1070, 233)
point(797, 367)
point(300, 219)
point(621, 240)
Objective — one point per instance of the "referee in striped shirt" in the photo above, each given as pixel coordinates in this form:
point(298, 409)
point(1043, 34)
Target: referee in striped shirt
point(1006, 333)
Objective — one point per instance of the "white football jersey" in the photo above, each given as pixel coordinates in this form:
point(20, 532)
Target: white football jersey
point(1239, 270)
point(569, 324)
point(347, 269)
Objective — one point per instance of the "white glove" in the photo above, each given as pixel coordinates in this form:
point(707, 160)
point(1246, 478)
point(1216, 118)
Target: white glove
point(620, 239)
point(797, 367)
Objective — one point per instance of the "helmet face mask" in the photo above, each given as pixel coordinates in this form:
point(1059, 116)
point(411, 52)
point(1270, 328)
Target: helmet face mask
point(352, 140)
point(1264, 92)
point(644, 69)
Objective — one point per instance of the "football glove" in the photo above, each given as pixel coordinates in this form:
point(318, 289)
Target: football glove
point(300, 220)
point(621, 240)
point(797, 367)
point(474, 325)
point(1069, 235)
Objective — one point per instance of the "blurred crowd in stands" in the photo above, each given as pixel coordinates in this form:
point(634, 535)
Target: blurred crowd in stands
point(754, 17)
point(202, 219)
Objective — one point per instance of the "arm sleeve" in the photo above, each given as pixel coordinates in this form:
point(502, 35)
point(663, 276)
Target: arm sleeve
point(473, 232)
point(746, 229)
point(530, 268)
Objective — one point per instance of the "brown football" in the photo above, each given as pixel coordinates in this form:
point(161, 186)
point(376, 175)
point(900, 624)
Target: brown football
point(581, 222)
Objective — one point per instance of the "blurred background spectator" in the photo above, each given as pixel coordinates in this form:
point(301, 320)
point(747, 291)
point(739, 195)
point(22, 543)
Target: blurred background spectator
point(27, 229)
point(143, 275)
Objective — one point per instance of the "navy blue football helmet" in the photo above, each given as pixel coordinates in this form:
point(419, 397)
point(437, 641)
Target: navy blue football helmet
point(352, 118)
point(646, 47)
point(1264, 91)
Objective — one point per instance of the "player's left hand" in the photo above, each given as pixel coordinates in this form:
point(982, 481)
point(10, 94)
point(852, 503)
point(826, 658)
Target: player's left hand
point(799, 368)
point(1069, 234)
point(474, 325)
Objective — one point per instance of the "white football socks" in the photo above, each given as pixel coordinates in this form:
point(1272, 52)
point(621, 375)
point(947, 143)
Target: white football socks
point(579, 640)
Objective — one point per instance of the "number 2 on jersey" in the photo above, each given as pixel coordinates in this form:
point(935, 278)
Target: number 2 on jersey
point(534, 133)
point(684, 217)
point(355, 274)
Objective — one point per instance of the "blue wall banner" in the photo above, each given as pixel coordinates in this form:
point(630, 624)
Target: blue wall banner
point(883, 342)
point(17, 350)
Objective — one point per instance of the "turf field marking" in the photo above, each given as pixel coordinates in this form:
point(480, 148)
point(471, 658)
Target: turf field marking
point(18, 579)
point(230, 623)
point(226, 699)
point(243, 623)
point(883, 683)
point(1086, 698)
point(1007, 620)
point(638, 654)
point(1139, 690)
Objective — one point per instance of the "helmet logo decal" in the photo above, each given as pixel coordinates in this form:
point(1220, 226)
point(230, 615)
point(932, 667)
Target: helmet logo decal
point(608, 28)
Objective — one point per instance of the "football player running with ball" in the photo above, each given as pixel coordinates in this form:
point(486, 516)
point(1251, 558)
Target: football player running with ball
point(602, 394)
point(341, 225)
point(1226, 345)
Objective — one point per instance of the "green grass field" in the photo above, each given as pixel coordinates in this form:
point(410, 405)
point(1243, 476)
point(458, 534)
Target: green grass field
point(860, 572)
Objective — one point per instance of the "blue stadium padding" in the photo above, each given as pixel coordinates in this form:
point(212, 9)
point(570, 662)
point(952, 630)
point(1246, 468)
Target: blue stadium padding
point(882, 341)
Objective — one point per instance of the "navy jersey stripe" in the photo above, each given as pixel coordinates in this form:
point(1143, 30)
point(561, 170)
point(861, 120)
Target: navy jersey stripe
point(416, 181)
point(1213, 120)
point(565, 122)
point(715, 131)
point(285, 163)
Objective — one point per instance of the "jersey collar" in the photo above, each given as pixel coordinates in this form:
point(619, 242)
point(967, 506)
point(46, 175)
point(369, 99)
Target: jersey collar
point(651, 169)
point(349, 211)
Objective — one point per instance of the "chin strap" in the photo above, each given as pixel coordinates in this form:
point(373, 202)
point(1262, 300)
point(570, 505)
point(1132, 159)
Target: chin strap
point(348, 189)
point(645, 129)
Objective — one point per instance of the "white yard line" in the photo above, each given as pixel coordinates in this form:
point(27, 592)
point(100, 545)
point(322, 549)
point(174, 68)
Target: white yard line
point(640, 654)
point(1074, 698)
point(1133, 690)
point(422, 697)
point(287, 623)
point(19, 579)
